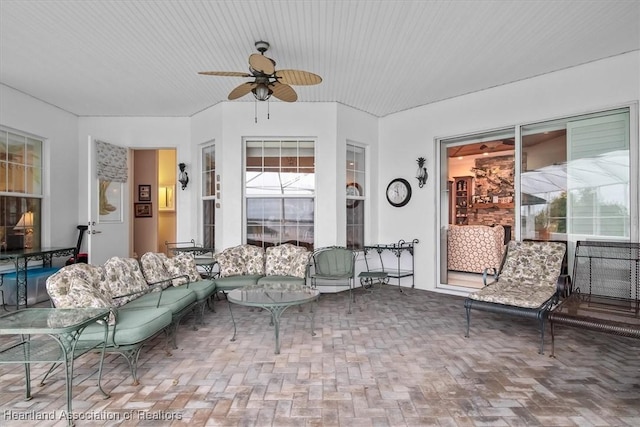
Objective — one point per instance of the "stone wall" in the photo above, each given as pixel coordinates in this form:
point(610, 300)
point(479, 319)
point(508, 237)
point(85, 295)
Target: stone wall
point(493, 179)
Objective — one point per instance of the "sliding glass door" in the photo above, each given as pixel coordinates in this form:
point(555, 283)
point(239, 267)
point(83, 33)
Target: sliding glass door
point(571, 179)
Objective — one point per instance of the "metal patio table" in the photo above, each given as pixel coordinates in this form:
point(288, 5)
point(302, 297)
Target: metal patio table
point(276, 298)
point(61, 329)
point(21, 260)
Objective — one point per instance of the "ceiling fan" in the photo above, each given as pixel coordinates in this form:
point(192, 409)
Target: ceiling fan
point(267, 80)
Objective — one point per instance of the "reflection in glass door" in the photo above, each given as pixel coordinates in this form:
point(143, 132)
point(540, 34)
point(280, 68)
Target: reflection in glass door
point(575, 182)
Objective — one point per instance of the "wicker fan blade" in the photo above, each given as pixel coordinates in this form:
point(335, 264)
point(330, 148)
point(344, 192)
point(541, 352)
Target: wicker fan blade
point(241, 90)
point(283, 92)
point(225, 73)
point(298, 77)
point(262, 64)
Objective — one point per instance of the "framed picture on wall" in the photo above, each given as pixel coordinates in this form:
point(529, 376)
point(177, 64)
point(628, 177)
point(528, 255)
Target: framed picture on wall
point(143, 210)
point(110, 201)
point(144, 193)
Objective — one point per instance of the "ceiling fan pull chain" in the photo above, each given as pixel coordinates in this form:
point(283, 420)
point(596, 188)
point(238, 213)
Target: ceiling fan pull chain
point(255, 110)
point(267, 109)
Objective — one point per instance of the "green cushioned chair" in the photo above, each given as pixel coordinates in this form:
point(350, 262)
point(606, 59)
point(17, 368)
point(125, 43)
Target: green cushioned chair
point(334, 264)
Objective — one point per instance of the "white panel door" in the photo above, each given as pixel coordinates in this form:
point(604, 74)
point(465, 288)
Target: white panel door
point(108, 213)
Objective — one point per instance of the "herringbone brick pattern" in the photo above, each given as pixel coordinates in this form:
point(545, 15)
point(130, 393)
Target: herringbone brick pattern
point(400, 359)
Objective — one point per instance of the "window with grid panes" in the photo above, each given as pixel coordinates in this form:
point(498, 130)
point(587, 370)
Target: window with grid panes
point(355, 172)
point(20, 190)
point(279, 192)
point(210, 188)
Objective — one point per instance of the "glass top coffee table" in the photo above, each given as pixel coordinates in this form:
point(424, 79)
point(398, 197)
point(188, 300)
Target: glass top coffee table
point(63, 327)
point(275, 297)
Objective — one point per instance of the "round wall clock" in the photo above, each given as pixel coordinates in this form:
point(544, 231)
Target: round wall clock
point(398, 192)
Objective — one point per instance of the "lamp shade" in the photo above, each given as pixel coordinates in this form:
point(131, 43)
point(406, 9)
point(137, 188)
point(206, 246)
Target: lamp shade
point(26, 221)
point(262, 92)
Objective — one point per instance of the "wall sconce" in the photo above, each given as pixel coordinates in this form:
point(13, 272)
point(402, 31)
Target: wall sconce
point(183, 177)
point(421, 174)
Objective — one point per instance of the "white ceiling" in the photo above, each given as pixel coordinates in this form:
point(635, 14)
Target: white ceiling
point(141, 58)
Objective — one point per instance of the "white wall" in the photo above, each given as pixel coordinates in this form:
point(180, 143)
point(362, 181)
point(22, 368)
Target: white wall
point(136, 132)
point(405, 136)
point(60, 130)
point(329, 124)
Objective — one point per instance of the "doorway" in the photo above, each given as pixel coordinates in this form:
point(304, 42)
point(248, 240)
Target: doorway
point(478, 205)
point(154, 209)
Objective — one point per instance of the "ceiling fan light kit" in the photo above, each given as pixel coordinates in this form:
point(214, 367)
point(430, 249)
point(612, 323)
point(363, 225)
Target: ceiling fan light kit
point(267, 80)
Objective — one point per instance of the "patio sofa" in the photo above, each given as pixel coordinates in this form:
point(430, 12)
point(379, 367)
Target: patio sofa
point(474, 248)
point(246, 265)
point(249, 265)
point(140, 311)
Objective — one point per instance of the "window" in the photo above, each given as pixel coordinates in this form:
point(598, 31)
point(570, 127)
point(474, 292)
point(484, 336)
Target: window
point(20, 190)
point(280, 192)
point(355, 171)
point(210, 183)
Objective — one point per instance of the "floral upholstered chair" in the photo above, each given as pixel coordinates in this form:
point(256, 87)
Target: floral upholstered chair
point(474, 248)
point(527, 285)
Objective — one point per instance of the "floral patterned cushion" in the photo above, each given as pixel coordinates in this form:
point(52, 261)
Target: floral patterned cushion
point(241, 260)
point(253, 259)
point(124, 277)
point(69, 289)
point(286, 260)
point(230, 262)
point(474, 248)
point(183, 264)
point(518, 294)
point(533, 261)
point(59, 283)
point(528, 277)
point(153, 267)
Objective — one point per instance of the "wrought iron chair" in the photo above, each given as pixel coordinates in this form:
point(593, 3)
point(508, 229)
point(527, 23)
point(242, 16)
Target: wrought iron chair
point(529, 282)
point(334, 264)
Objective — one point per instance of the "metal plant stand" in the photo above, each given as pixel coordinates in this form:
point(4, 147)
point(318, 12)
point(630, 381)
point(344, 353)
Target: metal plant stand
point(395, 272)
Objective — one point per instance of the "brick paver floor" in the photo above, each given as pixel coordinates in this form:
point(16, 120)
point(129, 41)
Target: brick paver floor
point(400, 359)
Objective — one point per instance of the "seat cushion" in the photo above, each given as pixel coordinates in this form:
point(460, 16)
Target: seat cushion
point(133, 326)
point(521, 294)
point(203, 288)
point(234, 282)
point(175, 299)
point(280, 279)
